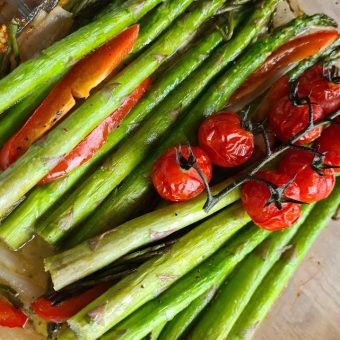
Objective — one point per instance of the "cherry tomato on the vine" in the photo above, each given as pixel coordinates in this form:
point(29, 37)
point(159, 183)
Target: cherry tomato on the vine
point(225, 141)
point(256, 194)
point(324, 92)
point(313, 187)
point(287, 120)
point(176, 184)
point(329, 143)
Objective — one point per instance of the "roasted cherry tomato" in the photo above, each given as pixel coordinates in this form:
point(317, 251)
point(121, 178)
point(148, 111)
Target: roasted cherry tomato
point(329, 143)
point(224, 140)
point(173, 182)
point(313, 187)
point(287, 120)
point(11, 316)
point(324, 92)
point(60, 313)
point(256, 194)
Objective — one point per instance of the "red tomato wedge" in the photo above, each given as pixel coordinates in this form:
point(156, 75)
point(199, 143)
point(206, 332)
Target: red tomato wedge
point(11, 316)
point(288, 54)
point(97, 138)
point(84, 76)
point(62, 312)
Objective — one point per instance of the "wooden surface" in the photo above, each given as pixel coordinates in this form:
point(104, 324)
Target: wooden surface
point(309, 308)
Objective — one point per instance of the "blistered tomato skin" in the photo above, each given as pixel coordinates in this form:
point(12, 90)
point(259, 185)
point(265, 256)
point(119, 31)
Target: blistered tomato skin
point(176, 184)
point(329, 143)
point(287, 120)
point(313, 187)
point(325, 93)
point(224, 140)
point(256, 194)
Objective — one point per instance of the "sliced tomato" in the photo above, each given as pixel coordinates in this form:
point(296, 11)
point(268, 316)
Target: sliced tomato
point(62, 312)
point(97, 138)
point(84, 76)
point(11, 316)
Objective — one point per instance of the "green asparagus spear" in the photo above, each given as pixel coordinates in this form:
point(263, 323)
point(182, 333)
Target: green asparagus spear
point(231, 299)
point(158, 21)
point(79, 6)
point(61, 55)
point(121, 203)
point(18, 228)
point(161, 19)
point(154, 334)
point(184, 320)
point(327, 52)
point(203, 278)
point(278, 277)
point(177, 327)
point(72, 265)
point(45, 154)
point(13, 119)
point(158, 274)
point(84, 200)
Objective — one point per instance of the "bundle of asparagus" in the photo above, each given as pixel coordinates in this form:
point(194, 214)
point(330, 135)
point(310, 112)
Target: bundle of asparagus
point(80, 256)
point(244, 299)
point(54, 60)
point(85, 199)
point(216, 277)
point(42, 198)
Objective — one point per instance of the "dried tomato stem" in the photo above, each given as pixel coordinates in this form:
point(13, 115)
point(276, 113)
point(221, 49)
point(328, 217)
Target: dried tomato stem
point(265, 136)
point(191, 162)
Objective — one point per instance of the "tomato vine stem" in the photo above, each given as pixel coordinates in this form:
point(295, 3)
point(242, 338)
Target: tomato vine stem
point(268, 158)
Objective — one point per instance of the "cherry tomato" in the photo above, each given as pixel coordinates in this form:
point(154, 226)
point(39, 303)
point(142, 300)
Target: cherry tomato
point(325, 93)
point(313, 187)
point(11, 316)
point(175, 184)
point(256, 194)
point(224, 140)
point(329, 143)
point(287, 120)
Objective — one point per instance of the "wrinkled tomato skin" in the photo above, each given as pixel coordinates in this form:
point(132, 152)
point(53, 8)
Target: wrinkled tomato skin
point(287, 120)
point(313, 187)
point(175, 184)
point(325, 93)
point(329, 143)
point(224, 140)
point(255, 196)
